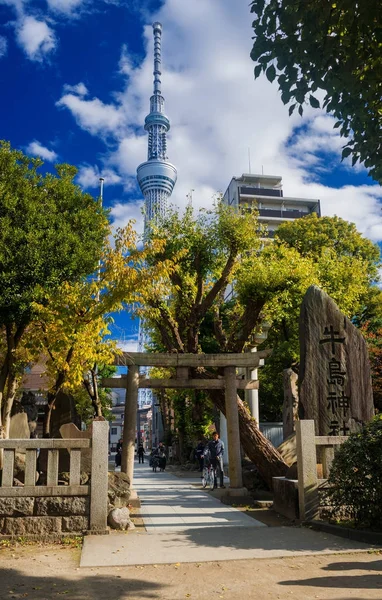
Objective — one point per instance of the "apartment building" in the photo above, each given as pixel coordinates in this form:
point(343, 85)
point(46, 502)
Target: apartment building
point(266, 193)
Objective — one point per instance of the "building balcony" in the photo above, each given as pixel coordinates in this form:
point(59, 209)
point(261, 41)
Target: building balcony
point(253, 191)
point(282, 214)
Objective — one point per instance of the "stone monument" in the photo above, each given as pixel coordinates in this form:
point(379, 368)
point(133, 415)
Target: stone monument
point(334, 376)
point(290, 405)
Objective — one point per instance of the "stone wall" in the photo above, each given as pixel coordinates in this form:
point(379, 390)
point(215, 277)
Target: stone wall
point(44, 516)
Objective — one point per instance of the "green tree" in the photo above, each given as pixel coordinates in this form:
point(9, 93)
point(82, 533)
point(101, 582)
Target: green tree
point(71, 329)
point(50, 232)
point(188, 308)
point(370, 323)
point(331, 46)
point(343, 263)
point(202, 254)
point(356, 476)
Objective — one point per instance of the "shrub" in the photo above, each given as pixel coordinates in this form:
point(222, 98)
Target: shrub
point(356, 476)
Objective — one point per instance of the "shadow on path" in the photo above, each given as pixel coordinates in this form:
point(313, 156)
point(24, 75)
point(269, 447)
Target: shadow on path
point(346, 580)
point(349, 566)
point(15, 584)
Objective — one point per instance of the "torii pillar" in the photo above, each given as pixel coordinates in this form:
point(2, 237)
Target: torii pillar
point(131, 404)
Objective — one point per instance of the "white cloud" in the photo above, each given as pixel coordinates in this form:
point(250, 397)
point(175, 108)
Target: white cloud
point(89, 176)
point(65, 6)
point(80, 89)
point(37, 149)
point(128, 345)
point(35, 37)
point(122, 213)
point(18, 5)
point(217, 111)
point(93, 115)
point(3, 46)
point(125, 62)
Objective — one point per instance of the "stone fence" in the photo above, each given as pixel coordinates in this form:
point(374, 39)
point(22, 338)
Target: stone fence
point(307, 445)
point(55, 508)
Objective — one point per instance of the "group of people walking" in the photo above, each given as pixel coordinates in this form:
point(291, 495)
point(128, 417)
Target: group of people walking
point(158, 453)
point(158, 457)
point(212, 452)
point(206, 453)
point(118, 455)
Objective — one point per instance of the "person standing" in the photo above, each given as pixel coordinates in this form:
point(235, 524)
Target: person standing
point(199, 450)
point(141, 453)
point(216, 449)
point(118, 456)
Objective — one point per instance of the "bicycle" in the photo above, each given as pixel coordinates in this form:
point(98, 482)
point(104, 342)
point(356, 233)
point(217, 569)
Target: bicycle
point(208, 477)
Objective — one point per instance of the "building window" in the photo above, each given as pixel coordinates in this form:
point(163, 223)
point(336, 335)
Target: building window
point(114, 431)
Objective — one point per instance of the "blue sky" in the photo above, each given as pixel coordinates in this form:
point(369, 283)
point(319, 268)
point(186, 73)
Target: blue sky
point(76, 77)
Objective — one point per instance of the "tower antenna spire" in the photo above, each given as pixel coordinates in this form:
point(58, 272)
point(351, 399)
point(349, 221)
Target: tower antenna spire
point(157, 176)
point(157, 28)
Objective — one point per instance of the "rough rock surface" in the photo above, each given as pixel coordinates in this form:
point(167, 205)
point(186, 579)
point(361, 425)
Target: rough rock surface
point(14, 507)
point(65, 477)
point(251, 478)
point(290, 405)
point(18, 427)
point(31, 525)
point(119, 518)
point(334, 376)
point(57, 506)
point(73, 524)
point(118, 489)
point(288, 449)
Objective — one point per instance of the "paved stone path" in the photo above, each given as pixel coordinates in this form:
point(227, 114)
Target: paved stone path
point(170, 504)
point(186, 524)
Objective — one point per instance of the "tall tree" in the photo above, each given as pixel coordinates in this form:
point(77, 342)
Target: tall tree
point(319, 45)
point(71, 327)
point(344, 264)
point(190, 309)
point(50, 232)
point(203, 254)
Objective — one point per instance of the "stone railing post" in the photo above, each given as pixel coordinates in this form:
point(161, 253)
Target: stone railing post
point(99, 477)
point(307, 470)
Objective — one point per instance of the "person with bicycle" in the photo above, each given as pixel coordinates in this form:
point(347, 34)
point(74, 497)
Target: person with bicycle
point(216, 452)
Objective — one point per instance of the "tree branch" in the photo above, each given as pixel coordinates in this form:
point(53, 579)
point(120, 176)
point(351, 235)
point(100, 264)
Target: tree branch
point(218, 286)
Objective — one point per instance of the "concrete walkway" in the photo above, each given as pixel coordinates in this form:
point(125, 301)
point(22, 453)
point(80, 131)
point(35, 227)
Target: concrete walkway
point(186, 524)
point(170, 504)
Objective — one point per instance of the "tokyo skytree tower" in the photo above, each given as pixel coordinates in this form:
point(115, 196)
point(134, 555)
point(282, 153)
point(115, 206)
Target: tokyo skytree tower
point(156, 176)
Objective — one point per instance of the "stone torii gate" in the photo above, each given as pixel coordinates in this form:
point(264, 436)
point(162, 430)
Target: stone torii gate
point(182, 363)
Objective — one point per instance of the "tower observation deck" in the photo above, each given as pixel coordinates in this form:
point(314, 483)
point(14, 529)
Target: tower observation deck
point(157, 176)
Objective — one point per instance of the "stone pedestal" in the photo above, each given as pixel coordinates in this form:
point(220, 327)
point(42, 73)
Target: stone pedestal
point(285, 497)
point(231, 495)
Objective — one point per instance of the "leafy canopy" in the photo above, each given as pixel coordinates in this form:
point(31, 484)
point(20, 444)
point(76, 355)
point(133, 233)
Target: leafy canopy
point(199, 256)
point(331, 46)
point(356, 476)
point(50, 232)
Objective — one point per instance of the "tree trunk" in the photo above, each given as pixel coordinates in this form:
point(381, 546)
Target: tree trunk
point(11, 393)
point(95, 398)
point(13, 339)
point(60, 380)
point(3, 380)
point(48, 414)
point(258, 449)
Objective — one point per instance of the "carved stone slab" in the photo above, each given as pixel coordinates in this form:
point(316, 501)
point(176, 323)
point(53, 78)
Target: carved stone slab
point(334, 377)
point(290, 406)
point(18, 428)
point(70, 431)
